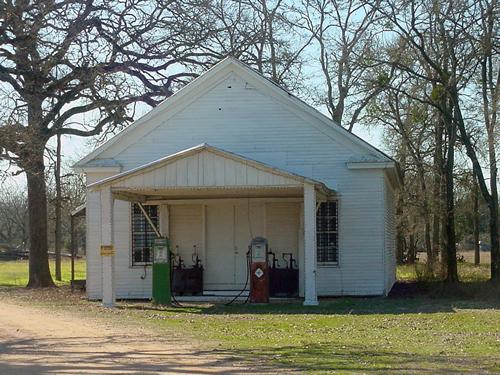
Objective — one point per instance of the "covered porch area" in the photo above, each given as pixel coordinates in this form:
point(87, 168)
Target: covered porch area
point(210, 203)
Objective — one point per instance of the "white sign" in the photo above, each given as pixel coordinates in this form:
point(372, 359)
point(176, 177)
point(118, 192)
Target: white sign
point(160, 249)
point(259, 273)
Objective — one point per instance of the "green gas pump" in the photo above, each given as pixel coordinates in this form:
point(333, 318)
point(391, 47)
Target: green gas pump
point(161, 271)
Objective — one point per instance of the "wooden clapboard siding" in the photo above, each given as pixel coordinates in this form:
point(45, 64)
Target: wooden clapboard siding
point(249, 123)
point(205, 169)
point(360, 270)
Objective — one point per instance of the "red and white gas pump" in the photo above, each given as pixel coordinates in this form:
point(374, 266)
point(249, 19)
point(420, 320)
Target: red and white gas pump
point(259, 270)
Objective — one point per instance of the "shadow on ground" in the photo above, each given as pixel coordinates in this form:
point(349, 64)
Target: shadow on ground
point(327, 357)
point(64, 355)
point(405, 298)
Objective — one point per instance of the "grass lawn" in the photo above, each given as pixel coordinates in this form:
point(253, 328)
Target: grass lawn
point(15, 272)
point(352, 335)
point(426, 333)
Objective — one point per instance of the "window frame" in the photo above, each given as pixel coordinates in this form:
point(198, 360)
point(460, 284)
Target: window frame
point(330, 264)
point(132, 263)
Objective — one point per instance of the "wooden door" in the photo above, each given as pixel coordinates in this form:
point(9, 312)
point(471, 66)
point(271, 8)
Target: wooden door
point(220, 252)
point(242, 237)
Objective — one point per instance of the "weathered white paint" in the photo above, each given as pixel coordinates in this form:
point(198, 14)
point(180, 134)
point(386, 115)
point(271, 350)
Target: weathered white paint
point(204, 166)
point(229, 72)
point(310, 292)
point(260, 125)
point(108, 262)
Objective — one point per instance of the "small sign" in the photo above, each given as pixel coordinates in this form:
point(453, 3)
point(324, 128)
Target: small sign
point(107, 250)
point(160, 250)
point(259, 273)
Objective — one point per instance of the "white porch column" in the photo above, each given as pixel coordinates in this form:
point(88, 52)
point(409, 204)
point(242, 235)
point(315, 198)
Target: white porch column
point(310, 294)
point(107, 248)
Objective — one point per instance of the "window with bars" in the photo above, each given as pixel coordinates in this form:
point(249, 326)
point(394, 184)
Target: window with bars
point(327, 240)
point(143, 235)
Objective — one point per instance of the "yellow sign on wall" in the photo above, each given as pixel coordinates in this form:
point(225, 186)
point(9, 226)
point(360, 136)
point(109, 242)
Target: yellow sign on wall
point(107, 250)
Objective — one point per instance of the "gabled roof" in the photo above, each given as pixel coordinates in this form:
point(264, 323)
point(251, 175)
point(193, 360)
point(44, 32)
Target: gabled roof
point(275, 176)
point(204, 82)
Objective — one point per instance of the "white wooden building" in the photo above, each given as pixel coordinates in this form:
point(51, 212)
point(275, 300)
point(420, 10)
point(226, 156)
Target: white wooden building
point(229, 157)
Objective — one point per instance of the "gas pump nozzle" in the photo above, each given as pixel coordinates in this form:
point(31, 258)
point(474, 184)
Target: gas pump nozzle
point(180, 262)
point(275, 261)
point(196, 261)
point(291, 260)
point(195, 258)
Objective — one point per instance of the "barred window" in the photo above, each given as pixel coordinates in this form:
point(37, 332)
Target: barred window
point(142, 234)
point(327, 241)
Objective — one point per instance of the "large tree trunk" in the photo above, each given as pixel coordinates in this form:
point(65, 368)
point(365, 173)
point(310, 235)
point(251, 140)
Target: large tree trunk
point(493, 204)
point(427, 219)
point(495, 248)
point(412, 250)
point(451, 247)
point(57, 234)
point(475, 222)
point(437, 191)
point(39, 272)
point(491, 198)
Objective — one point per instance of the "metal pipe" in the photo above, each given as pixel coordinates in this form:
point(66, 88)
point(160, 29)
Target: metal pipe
point(148, 219)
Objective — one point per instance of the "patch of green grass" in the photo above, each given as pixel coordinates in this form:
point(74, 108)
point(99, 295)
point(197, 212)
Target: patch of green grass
point(15, 272)
point(346, 334)
point(458, 333)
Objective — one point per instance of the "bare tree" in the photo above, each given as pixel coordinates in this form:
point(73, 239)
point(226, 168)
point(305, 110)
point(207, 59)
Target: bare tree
point(75, 67)
point(13, 215)
point(411, 121)
point(261, 33)
point(489, 59)
point(419, 52)
point(451, 40)
point(345, 40)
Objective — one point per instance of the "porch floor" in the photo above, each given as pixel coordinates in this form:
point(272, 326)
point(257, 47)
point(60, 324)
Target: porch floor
point(224, 296)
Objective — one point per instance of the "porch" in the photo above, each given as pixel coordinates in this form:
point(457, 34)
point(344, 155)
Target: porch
point(210, 203)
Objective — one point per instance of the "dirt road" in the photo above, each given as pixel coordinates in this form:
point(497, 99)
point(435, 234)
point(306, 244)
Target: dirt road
point(39, 341)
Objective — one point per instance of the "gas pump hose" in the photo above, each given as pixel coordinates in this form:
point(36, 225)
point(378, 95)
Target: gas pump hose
point(245, 286)
point(174, 300)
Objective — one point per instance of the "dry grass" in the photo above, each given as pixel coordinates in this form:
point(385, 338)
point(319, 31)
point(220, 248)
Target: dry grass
point(467, 271)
